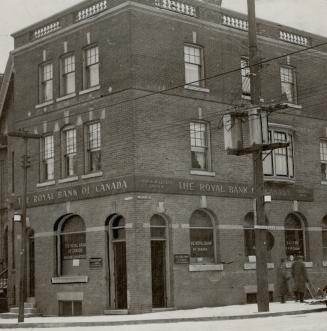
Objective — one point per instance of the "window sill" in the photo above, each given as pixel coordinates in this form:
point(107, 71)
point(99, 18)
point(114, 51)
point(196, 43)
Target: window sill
point(92, 175)
point(307, 264)
point(197, 88)
point(324, 263)
point(91, 89)
point(246, 97)
point(206, 267)
point(253, 266)
point(68, 179)
point(203, 173)
point(67, 96)
point(48, 183)
point(69, 279)
point(323, 182)
point(279, 180)
point(44, 104)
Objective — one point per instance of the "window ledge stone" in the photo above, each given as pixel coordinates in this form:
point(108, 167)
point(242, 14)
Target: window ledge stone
point(197, 88)
point(67, 96)
point(253, 266)
point(292, 105)
point(307, 264)
point(280, 180)
point(68, 179)
point(48, 183)
point(69, 279)
point(92, 175)
point(91, 89)
point(324, 182)
point(44, 104)
point(324, 263)
point(203, 173)
point(206, 267)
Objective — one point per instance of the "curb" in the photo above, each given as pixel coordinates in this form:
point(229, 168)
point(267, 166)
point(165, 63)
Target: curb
point(154, 321)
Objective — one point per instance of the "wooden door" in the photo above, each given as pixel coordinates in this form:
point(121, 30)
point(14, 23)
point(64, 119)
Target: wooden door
point(120, 275)
point(158, 268)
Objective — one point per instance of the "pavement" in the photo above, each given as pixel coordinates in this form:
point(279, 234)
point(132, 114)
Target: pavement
point(247, 311)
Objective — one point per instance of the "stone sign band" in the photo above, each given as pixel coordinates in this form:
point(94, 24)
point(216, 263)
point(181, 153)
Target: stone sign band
point(148, 184)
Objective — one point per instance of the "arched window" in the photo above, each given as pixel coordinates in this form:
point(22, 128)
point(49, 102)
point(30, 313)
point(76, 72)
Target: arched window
point(324, 237)
point(71, 245)
point(294, 236)
point(249, 236)
point(202, 239)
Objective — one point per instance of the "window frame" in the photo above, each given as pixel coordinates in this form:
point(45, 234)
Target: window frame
point(291, 83)
point(67, 158)
point(90, 150)
point(64, 75)
point(204, 149)
point(199, 82)
point(86, 67)
point(59, 230)
point(43, 82)
point(245, 76)
point(212, 259)
point(323, 159)
point(46, 158)
point(286, 152)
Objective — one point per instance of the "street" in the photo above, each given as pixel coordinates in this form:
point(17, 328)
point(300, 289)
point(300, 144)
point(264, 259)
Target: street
point(305, 322)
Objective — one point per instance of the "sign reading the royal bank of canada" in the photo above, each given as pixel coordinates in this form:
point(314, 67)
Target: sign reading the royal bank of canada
point(181, 259)
point(147, 184)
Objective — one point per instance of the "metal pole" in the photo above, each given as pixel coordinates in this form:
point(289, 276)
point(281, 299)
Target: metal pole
point(260, 222)
point(22, 272)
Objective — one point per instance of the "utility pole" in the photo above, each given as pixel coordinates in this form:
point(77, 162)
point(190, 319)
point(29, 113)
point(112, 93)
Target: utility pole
point(259, 218)
point(22, 271)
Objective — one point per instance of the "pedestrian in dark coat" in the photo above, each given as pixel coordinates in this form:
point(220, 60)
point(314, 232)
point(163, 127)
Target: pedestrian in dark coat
point(300, 277)
point(282, 280)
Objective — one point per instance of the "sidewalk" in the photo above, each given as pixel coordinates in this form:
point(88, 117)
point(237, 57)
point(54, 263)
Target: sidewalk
point(190, 315)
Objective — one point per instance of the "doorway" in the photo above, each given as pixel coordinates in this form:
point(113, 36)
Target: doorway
point(158, 228)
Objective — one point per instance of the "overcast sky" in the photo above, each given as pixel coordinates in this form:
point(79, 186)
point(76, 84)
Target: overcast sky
point(309, 15)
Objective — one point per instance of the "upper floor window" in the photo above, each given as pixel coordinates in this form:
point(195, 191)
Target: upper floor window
point(288, 83)
point(48, 158)
point(199, 145)
point(46, 82)
point(245, 74)
point(323, 159)
point(202, 238)
point(70, 152)
point(91, 70)
point(193, 65)
point(93, 147)
point(279, 162)
point(68, 75)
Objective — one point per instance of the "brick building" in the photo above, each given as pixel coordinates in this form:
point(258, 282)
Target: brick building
point(133, 203)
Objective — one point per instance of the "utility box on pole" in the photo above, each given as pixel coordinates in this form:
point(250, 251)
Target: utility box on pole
point(233, 132)
point(258, 126)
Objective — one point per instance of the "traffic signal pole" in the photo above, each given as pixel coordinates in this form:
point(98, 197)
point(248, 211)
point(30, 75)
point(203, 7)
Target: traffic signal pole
point(259, 215)
point(22, 270)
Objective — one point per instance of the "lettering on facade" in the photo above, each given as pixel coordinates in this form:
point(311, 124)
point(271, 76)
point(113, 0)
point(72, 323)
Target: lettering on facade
point(182, 259)
point(145, 184)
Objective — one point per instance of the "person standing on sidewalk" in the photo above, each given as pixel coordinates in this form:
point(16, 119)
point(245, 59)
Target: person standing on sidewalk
point(282, 280)
point(300, 277)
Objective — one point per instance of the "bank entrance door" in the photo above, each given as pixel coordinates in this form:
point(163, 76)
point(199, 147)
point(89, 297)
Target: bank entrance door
point(158, 261)
point(117, 262)
point(120, 274)
point(31, 264)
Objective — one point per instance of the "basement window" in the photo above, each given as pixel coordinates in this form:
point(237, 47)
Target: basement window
point(70, 308)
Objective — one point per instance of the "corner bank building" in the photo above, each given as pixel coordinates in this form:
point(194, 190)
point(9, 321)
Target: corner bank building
point(133, 203)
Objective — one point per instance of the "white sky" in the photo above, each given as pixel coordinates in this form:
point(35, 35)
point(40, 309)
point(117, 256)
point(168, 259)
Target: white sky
point(309, 15)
